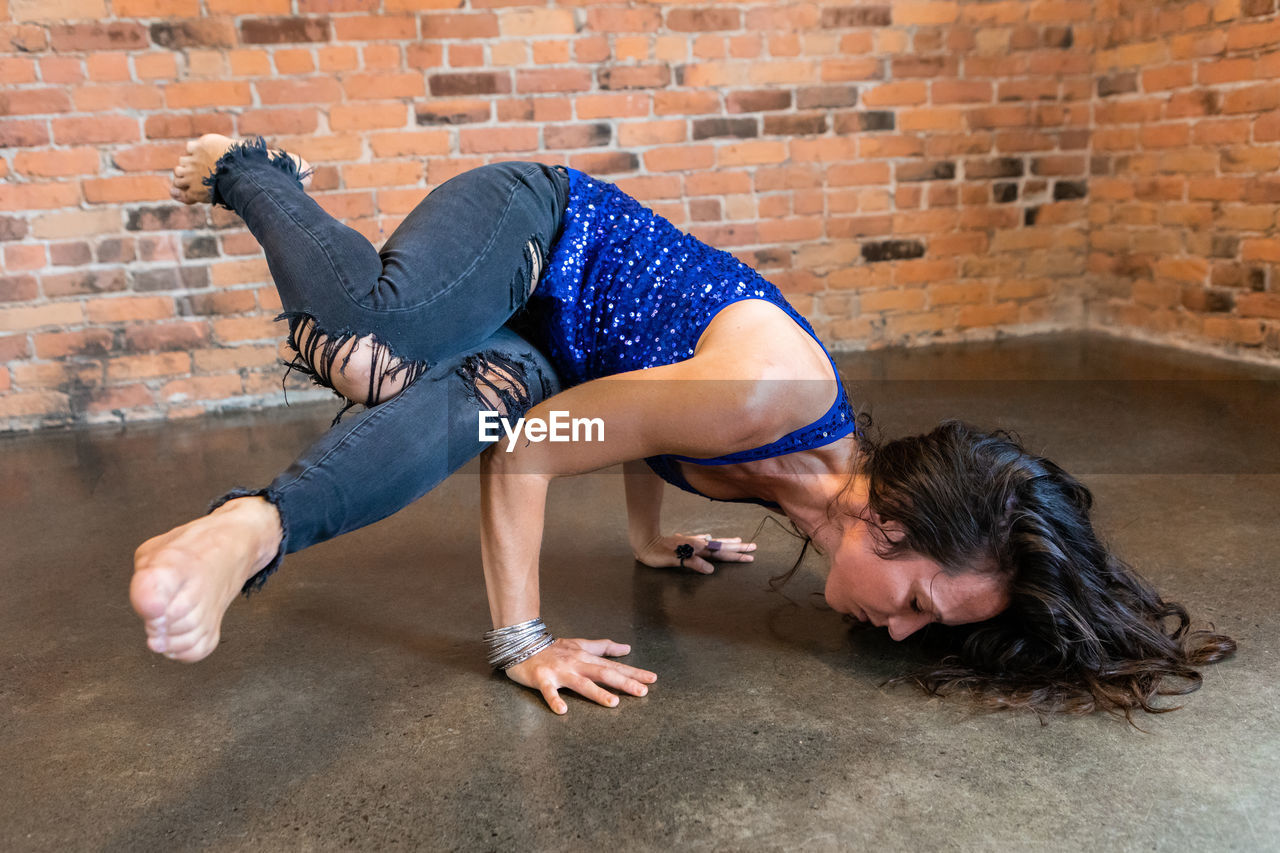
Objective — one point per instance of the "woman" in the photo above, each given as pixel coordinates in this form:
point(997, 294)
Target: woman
point(525, 290)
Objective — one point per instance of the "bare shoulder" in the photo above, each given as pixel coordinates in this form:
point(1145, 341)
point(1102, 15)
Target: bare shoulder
point(755, 339)
point(761, 336)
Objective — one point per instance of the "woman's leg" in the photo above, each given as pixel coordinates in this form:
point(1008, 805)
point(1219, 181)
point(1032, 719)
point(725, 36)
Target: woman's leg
point(366, 323)
point(361, 471)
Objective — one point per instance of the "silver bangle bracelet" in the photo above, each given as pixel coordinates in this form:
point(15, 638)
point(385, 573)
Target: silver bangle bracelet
point(516, 643)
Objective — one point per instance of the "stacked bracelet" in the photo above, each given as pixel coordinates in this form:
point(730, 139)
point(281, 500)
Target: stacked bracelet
point(516, 643)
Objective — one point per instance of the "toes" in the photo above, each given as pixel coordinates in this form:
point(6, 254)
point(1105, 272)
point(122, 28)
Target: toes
point(151, 592)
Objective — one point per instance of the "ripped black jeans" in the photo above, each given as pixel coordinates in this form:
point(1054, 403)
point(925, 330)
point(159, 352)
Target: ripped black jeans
point(431, 307)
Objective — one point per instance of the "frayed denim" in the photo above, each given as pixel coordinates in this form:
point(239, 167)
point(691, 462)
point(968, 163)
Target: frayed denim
point(433, 303)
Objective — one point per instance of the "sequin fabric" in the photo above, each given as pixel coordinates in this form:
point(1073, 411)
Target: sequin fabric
point(624, 289)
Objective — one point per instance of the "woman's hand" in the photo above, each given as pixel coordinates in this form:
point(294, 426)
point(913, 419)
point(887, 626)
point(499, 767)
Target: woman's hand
point(578, 665)
point(660, 552)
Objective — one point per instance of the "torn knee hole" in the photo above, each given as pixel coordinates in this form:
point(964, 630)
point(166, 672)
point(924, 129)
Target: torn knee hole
point(362, 369)
point(495, 383)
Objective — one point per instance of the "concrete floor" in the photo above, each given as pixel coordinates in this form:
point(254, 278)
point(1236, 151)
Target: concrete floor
point(349, 705)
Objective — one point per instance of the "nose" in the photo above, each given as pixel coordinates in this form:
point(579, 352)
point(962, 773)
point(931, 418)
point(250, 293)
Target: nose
point(901, 627)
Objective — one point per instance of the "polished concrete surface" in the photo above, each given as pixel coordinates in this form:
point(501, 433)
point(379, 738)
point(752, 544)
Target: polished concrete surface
point(349, 706)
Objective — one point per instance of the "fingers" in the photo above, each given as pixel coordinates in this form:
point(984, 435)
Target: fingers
point(604, 648)
point(552, 697)
point(588, 689)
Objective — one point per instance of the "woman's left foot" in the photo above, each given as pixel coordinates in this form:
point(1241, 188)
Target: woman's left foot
point(198, 163)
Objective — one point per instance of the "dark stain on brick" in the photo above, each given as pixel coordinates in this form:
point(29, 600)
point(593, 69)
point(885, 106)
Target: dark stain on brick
point(999, 167)
point(712, 128)
point(18, 288)
point(70, 254)
point(873, 120)
point(758, 100)
point(12, 228)
point(1252, 8)
point(1219, 301)
point(1224, 246)
point(1068, 190)
point(470, 84)
point(1099, 165)
point(1060, 37)
point(1257, 279)
point(943, 170)
point(821, 97)
point(892, 250)
point(703, 20)
point(164, 218)
point(856, 16)
point(1117, 84)
point(1029, 215)
point(578, 135)
point(1004, 192)
point(283, 30)
point(178, 34)
point(203, 246)
point(427, 114)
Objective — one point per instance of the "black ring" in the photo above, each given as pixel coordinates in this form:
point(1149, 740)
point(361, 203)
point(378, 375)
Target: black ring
point(684, 552)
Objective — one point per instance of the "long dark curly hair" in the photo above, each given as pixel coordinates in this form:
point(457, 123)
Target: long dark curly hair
point(1083, 631)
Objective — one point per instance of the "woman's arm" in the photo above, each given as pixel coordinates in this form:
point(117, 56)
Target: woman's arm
point(662, 409)
point(644, 505)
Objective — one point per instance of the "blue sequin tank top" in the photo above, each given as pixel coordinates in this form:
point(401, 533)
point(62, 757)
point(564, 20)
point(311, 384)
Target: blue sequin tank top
point(624, 289)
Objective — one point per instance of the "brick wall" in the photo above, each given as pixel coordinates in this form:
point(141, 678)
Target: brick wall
point(904, 171)
point(1184, 193)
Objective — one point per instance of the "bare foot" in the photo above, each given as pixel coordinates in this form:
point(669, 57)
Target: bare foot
point(184, 580)
point(203, 154)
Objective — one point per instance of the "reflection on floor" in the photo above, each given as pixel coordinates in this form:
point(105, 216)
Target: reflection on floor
point(349, 705)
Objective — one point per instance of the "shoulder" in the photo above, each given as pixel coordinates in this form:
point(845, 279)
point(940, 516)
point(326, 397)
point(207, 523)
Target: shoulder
point(785, 378)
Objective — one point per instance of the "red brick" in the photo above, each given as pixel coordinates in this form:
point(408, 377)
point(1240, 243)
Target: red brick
point(703, 20)
point(34, 101)
point(273, 122)
point(612, 19)
point(523, 23)
point(367, 116)
point(56, 314)
point(84, 282)
point(13, 346)
point(314, 90)
point(459, 26)
point(187, 126)
point(119, 399)
point(129, 309)
point(201, 388)
point(680, 158)
point(382, 87)
point(67, 38)
point(614, 106)
point(553, 80)
point(203, 32)
point(207, 94)
point(37, 196)
point(18, 288)
point(488, 140)
point(634, 77)
point(57, 163)
point(125, 189)
point(375, 27)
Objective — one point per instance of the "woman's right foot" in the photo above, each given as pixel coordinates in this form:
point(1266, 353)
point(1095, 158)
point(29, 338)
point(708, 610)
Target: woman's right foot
point(198, 163)
point(184, 580)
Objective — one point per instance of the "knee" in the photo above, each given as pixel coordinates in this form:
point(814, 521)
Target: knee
point(361, 369)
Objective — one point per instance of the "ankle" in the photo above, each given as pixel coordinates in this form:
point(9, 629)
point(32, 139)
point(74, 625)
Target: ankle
point(261, 520)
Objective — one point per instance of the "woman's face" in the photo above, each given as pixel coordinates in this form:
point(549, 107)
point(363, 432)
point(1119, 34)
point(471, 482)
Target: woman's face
point(906, 593)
